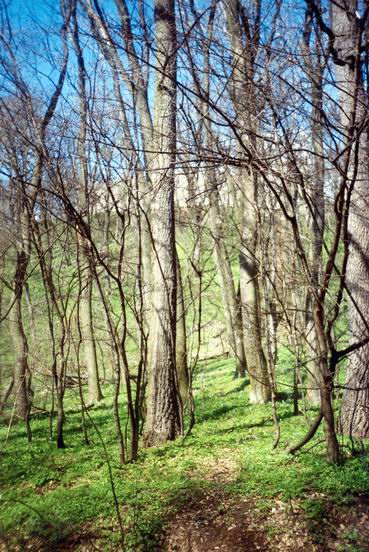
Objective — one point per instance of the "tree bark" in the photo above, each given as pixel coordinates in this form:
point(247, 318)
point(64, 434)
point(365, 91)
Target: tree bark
point(316, 205)
point(231, 301)
point(183, 374)
point(251, 301)
point(88, 339)
point(21, 368)
point(163, 421)
point(86, 273)
point(245, 101)
point(354, 419)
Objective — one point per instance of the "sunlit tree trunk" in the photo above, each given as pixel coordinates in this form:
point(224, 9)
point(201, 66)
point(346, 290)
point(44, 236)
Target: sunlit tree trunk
point(245, 101)
point(314, 68)
point(251, 300)
point(86, 274)
point(354, 112)
point(232, 307)
point(19, 338)
point(163, 409)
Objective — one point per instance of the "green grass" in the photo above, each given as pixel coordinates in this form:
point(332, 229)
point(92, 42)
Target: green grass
point(50, 493)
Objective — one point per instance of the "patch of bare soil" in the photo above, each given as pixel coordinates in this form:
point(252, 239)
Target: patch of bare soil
point(215, 522)
point(47, 487)
point(81, 540)
point(220, 470)
point(218, 522)
point(347, 528)
point(221, 522)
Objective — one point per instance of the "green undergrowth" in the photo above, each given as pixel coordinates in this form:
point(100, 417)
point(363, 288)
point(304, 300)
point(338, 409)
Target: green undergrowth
point(49, 494)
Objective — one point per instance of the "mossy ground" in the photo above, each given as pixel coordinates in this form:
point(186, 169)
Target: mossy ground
point(49, 494)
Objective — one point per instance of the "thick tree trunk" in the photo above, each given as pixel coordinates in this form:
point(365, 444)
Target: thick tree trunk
point(245, 101)
point(251, 301)
point(256, 362)
point(353, 101)
point(163, 409)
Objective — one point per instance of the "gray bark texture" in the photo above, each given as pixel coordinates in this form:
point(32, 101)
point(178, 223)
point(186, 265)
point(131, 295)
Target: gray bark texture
point(353, 101)
point(245, 103)
point(86, 273)
point(163, 421)
point(314, 69)
point(19, 339)
point(232, 307)
point(251, 305)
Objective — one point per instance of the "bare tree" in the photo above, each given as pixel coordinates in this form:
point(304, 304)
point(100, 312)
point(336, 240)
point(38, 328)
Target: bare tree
point(348, 29)
point(163, 409)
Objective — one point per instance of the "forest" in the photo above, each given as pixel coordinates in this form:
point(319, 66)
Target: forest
point(184, 275)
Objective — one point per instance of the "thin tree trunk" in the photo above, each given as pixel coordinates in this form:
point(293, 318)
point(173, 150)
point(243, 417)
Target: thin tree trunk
point(88, 340)
point(231, 301)
point(183, 375)
point(20, 344)
point(315, 201)
point(21, 367)
point(86, 273)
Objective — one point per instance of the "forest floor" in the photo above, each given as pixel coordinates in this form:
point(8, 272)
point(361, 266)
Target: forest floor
point(222, 489)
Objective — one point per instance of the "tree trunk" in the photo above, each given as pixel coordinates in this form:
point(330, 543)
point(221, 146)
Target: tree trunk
point(325, 385)
point(88, 339)
point(163, 409)
point(86, 273)
point(231, 302)
point(181, 343)
point(314, 67)
point(353, 102)
point(251, 301)
point(21, 369)
point(245, 101)
point(19, 338)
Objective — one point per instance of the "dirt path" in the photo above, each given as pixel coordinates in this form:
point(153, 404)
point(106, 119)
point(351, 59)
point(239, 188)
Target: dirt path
point(219, 522)
point(214, 522)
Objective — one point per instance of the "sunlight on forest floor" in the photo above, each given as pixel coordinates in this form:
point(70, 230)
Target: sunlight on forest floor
point(223, 488)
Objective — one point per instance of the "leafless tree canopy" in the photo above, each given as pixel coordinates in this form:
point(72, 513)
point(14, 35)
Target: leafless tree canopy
point(183, 179)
